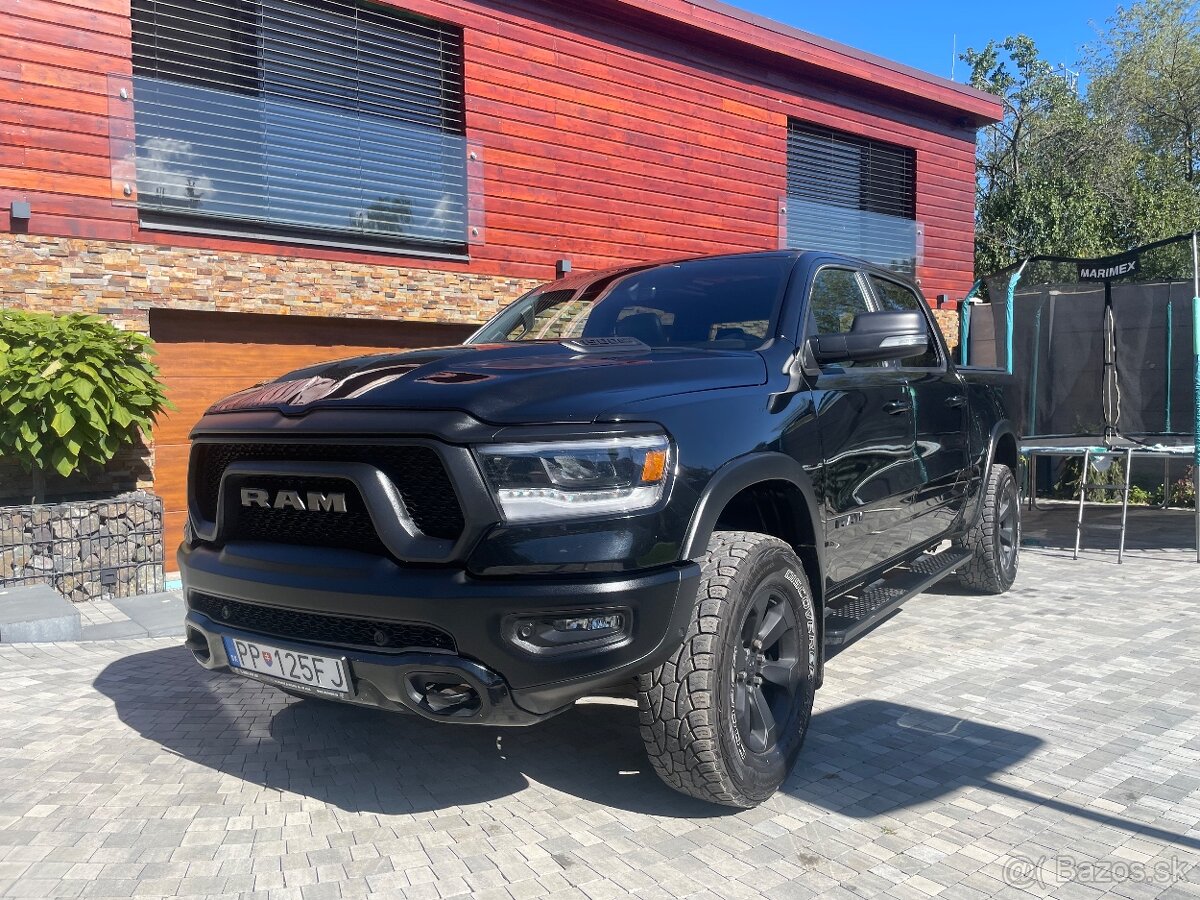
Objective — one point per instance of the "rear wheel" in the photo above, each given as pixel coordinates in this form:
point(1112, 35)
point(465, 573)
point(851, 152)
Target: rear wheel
point(995, 540)
point(725, 717)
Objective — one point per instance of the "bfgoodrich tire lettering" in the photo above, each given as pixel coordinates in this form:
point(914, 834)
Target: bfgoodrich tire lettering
point(995, 540)
point(725, 717)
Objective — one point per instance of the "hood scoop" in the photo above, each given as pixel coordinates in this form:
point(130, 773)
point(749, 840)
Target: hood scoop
point(606, 345)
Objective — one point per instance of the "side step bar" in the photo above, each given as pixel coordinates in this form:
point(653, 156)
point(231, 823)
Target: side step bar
point(848, 617)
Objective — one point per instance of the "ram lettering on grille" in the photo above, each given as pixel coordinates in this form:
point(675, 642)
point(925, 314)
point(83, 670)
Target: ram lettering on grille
point(315, 501)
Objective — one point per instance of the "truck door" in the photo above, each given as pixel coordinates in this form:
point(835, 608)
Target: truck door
point(939, 400)
point(864, 415)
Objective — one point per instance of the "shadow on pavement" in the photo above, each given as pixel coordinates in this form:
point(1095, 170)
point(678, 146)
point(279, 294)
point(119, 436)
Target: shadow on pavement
point(870, 757)
point(866, 758)
point(367, 760)
point(861, 759)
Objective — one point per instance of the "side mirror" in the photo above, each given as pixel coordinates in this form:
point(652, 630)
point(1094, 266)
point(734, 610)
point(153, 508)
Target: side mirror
point(874, 337)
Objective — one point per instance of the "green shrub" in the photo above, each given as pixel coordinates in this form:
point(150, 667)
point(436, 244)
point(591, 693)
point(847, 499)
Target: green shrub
point(1183, 491)
point(73, 390)
point(1140, 495)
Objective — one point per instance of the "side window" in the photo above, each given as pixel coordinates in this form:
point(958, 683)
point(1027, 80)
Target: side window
point(837, 297)
point(894, 296)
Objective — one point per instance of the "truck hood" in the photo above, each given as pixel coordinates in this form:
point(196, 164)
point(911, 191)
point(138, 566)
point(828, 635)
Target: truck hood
point(503, 384)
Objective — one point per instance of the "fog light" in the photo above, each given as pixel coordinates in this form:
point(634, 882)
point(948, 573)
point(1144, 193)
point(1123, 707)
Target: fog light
point(590, 623)
point(558, 633)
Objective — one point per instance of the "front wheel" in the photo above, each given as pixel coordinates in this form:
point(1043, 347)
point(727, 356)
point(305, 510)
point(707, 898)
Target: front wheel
point(995, 540)
point(724, 718)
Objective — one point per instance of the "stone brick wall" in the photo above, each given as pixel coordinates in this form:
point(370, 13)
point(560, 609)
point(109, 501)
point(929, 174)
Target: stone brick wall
point(85, 551)
point(948, 320)
point(125, 280)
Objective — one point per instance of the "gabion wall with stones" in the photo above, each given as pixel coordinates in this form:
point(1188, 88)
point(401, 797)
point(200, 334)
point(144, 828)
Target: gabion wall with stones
point(87, 550)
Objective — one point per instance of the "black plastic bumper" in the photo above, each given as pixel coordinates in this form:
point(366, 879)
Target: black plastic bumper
point(516, 685)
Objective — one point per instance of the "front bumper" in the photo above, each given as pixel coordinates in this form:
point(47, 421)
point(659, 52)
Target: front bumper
point(516, 685)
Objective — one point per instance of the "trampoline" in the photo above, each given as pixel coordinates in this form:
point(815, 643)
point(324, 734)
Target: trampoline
point(1105, 355)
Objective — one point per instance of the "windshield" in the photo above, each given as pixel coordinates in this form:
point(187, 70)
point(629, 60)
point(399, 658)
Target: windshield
point(722, 303)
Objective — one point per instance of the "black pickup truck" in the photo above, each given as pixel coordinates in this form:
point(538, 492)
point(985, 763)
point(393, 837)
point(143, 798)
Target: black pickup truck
point(690, 477)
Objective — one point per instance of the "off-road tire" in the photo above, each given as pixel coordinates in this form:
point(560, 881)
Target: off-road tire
point(992, 569)
point(687, 705)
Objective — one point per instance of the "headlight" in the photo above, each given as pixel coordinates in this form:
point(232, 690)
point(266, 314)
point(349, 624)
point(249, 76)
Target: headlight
point(577, 478)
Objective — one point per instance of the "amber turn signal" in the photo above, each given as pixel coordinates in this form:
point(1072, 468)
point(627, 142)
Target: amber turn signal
point(654, 467)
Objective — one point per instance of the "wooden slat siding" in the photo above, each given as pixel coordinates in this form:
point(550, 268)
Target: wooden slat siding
point(63, 26)
point(61, 205)
point(51, 139)
point(64, 99)
point(104, 18)
point(18, 50)
point(602, 140)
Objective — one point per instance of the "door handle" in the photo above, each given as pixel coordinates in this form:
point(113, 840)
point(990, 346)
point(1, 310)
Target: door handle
point(956, 400)
point(896, 407)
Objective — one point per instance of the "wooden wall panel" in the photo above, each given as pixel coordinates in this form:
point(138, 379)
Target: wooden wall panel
point(608, 134)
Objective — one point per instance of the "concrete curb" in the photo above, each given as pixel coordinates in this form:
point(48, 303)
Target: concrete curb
point(35, 614)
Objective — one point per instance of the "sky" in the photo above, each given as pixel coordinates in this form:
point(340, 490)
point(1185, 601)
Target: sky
point(922, 34)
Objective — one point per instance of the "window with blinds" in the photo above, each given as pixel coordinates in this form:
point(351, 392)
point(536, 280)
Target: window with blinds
point(332, 118)
point(851, 195)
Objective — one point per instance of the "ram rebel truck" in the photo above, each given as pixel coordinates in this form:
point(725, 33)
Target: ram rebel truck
point(688, 478)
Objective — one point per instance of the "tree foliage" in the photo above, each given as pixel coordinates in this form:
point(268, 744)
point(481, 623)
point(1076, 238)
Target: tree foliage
point(1077, 173)
point(73, 389)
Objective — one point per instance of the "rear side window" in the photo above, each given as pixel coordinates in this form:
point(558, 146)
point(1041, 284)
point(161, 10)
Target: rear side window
point(895, 297)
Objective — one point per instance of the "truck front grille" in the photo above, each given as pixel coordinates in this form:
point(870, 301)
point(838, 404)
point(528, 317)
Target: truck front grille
point(416, 471)
point(351, 530)
point(343, 631)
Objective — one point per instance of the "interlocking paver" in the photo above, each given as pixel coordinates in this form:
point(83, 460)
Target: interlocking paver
point(964, 737)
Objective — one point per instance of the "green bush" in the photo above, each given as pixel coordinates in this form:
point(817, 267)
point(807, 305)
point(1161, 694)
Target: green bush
point(1183, 491)
point(1140, 495)
point(73, 390)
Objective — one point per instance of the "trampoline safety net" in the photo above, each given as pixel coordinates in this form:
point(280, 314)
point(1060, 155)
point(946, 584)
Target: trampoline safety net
point(1091, 357)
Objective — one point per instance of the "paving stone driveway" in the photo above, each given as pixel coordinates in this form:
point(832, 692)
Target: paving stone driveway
point(1042, 743)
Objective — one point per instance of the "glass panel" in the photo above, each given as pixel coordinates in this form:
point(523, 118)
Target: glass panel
point(319, 115)
point(852, 195)
point(884, 240)
point(199, 150)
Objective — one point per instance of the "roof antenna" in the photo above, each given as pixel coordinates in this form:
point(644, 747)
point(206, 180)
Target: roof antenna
point(953, 54)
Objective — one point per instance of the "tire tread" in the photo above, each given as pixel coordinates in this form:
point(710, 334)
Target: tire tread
point(984, 572)
point(677, 721)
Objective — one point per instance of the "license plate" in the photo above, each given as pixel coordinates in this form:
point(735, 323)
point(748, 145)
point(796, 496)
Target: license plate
point(321, 673)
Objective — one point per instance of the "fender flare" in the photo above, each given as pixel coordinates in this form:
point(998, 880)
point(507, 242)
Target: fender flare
point(999, 430)
point(737, 475)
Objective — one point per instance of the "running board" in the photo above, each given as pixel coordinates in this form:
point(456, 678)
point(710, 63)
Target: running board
point(850, 616)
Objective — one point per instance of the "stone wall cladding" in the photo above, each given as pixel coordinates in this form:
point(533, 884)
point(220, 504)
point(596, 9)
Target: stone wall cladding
point(126, 280)
point(947, 319)
point(89, 550)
